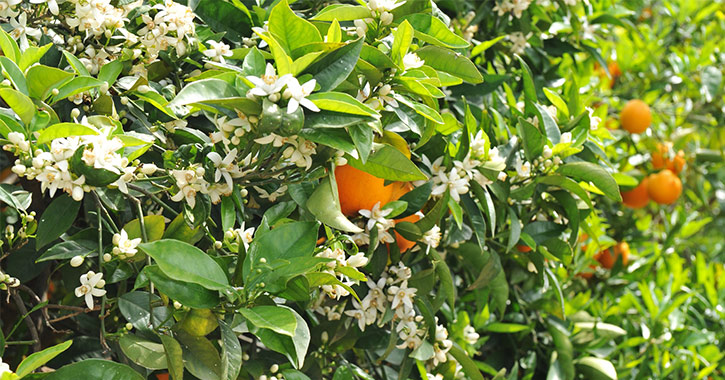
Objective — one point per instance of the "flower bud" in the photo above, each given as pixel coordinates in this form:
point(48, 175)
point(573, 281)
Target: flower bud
point(77, 193)
point(274, 98)
point(75, 112)
point(55, 92)
point(107, 257)
point(129, 326)
point(149, 169)
point(386, 18)
point(274, 368)
point(143, 89)
point(76, 261)
point(218, 245)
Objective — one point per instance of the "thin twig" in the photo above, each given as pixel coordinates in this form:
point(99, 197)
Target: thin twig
point(28, 321)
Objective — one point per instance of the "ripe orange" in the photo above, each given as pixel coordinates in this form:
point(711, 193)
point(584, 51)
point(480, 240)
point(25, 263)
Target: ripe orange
point(400, 189)
point(403, 243)
point(614, 70)
point(607, 259)
point(359, 190)
point(635, 116)
point(162, 376)
point(523, 248)
point(637, 197)
point(661, 159)
point(588, 273)
point(664, 187)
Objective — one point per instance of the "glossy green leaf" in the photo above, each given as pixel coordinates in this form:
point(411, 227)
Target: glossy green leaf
point(56, 219)
point(290, 30)
point(341, 102)
point(143, 352)
point(342, 12)
point(19, 103)
point(596, 368)
point(184, 262)
point(95, 369)
point(325, 206)
point(75, 86)
point(174, 358)
point(335, 67)
point(389, 163)
point(597, 175)
point(60, 130)
point(204, 90)
point(448, 61)
point(38, 359)
point(432, 30)
point(231, 358)
point(154, 227)
point(278, 319)
point(187, 294)
point(68, 249)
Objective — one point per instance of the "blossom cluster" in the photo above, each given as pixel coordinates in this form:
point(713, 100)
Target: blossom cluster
point(53, 168)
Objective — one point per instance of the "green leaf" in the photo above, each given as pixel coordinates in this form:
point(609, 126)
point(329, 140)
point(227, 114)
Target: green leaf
point(14, 74)
point(60, 130)
point(174, 358)
point(95, 369)
point(20, 104)
point(9, 47)
point(188, 294)
point(184, 262)
point(291, 240)
point(143, 352)
point(204, 90)
point(596, 368)
point(342, 12)
point(325, 206)
point(75, 63)
point(529, 87)
point(362, 136)
point(136, 308)
point(290, 30)
point(550, 127)
point(483, 46)
point(154, 227)
point(32, 55)
point(75, 86)
point(421, 109)
point(38, 359)
point(223, 17)
point(508, 328)
point(67, 250)
point(110, 72)
point(402, 38)
point(432, 30)
point(231, 359)
point(179, 230)
point(469, 366)
point(389, 163)
point(557, 101)
point(335, 67)
point(589, 172)
point(94, 176)
point(532, 139)
point(200, 356)
point(341, 102)
point(278, 319)
point(294, 348)
point(56, 219)
point(450, 62)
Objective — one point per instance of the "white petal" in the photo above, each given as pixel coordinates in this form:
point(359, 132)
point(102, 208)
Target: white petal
point(89, 300)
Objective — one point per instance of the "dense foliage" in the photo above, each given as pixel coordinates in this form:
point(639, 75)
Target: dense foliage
point(371, 189)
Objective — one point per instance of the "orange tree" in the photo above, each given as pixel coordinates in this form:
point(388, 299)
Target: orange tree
point(359, 190)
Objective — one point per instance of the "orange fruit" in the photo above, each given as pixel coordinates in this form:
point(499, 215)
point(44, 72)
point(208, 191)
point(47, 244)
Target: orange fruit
point(614, 70)
point(588, 274)
point(664, 187)
point(661, 159)
point(677, 163)
point(607, 259)
point(400, 189)
point(359, 190)
point(637, 197)
point(523, 248)
point(635, 116)
point(403, 243)
point(162, 376)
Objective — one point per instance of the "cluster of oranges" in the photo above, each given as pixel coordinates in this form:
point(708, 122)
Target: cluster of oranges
point(663, 187)
point(607, 257)
point(359, 190)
